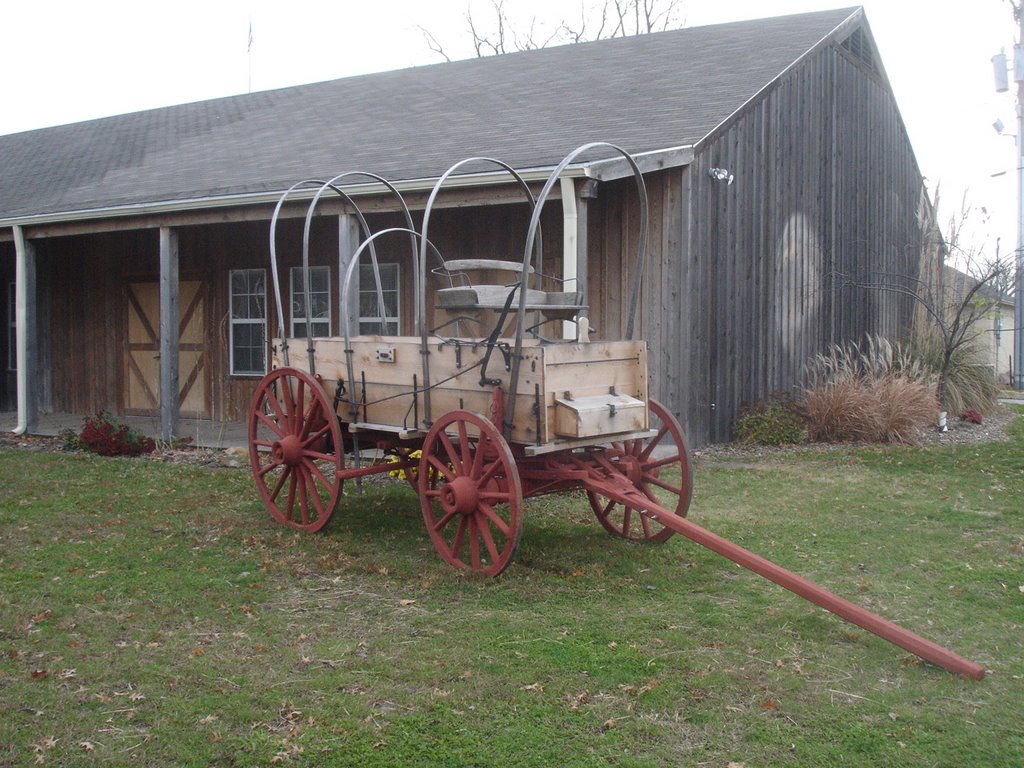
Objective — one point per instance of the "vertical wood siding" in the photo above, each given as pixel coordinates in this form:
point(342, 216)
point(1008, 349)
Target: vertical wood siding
point(747, 281)
point(826, 197)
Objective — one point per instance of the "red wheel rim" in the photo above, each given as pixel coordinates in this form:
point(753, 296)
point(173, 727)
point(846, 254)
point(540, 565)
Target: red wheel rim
point(660, 467)
point(295, 449)
point(470, 493)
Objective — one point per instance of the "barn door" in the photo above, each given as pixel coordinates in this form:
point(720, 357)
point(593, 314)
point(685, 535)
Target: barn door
point(142, 352)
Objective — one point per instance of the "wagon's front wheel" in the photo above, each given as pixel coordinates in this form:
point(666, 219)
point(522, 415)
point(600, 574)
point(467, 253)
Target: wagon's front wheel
point(470, 493)
point(659, 467)
point(295, 449)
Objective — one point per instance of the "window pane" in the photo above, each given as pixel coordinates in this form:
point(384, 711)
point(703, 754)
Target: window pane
point(248, 321)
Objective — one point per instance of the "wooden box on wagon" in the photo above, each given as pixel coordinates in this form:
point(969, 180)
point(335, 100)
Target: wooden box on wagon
point(565, 393)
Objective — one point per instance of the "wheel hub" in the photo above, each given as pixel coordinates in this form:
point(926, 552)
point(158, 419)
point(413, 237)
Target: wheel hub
point(287, 451)
point(460, 495)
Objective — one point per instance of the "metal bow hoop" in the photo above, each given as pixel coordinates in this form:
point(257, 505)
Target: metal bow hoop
point(333, 185)
point(273, 260)
point(424, 246)
point(510, 403)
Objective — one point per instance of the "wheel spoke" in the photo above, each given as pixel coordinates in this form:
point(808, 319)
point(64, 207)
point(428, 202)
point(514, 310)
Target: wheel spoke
point(308, 441)
point(303, 499)
point(663, 462)
point(316, 472)
point(292, 482)
point(646, 525)
point(447, 518)
point(489, 473)
point(271, 424)
point(276, 406)
point(441, 467)
point(607, 509)
point(495, 518)
point(478, 459)
point(320, 456)
point(492, 548)
point(661, 484)
point(299, 428)
point(314, 494)
point(627, 520)
point(270, 467)
point(494, 496)
point(466, 449)
point(654, 441)
point(453, 457)
point(460, 533)
point(280, 483)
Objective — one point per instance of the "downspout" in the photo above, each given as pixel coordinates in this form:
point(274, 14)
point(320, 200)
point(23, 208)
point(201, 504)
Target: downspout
point(21, 320)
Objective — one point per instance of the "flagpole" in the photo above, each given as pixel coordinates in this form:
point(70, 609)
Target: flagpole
point(249, 53)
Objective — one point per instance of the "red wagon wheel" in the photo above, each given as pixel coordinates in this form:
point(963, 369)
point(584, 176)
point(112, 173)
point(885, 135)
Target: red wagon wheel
point(295, 449)
point(659, 466)
point(470, 493)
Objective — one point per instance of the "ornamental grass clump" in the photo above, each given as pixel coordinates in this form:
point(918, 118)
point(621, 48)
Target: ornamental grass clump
point(105, 435)
point(873, 393)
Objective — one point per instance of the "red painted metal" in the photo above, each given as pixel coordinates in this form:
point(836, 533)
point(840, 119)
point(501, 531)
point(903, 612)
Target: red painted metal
point(620, 489)
point(648, 464)
point(294, 449)
point(470, 493)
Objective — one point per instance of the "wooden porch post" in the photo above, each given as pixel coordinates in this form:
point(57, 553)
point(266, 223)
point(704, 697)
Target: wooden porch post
point(574, 242)
point(348, 243)
point(26, 333)
point(169, 333)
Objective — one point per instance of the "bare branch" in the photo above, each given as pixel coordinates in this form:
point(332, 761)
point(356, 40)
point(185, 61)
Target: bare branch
point(432, 42)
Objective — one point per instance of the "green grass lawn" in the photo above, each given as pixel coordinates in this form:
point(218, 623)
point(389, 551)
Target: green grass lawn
point(152, 614)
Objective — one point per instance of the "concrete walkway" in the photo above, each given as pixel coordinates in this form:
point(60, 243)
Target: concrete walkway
point(205, 433)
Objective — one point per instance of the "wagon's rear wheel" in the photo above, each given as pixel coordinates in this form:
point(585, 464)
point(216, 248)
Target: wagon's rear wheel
point(659, 467)
point(470, 493)
point(295, 449)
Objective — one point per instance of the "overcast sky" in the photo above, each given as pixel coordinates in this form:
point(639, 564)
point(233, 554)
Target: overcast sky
point(64, 61)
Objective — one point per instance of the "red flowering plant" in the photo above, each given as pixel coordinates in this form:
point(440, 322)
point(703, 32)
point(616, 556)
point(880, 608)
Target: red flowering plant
point(105, 435)
point(971, 415)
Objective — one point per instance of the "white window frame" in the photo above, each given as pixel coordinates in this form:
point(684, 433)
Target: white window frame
point(12, 327)
point(296, 294)
point(368, 288)
point(238, 321)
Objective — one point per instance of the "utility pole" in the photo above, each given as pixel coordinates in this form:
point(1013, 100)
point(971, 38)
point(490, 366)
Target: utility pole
point(1000, 72)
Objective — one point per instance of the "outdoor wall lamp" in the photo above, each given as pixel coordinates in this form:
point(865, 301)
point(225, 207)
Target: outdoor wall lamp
point(721, 174)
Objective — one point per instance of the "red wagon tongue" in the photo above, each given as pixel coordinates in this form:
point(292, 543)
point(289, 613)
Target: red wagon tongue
point(620, 489)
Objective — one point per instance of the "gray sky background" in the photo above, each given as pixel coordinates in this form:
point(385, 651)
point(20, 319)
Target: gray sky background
point(63, 61)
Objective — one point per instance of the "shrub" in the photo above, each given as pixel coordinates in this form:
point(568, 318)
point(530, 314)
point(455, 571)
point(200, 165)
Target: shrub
point(971, 415)
point(873, 393)
point(105, 435)
point(776, 421)
point(970, 383)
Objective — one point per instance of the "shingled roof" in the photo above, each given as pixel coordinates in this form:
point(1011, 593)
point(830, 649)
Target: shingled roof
point(644, 93)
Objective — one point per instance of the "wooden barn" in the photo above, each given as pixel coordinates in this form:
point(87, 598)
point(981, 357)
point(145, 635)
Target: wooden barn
point(773, 150)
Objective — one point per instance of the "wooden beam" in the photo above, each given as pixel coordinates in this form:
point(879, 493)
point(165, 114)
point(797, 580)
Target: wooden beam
point(169, 333)
point(26, 334)
point(348, 244)
point(456, 198)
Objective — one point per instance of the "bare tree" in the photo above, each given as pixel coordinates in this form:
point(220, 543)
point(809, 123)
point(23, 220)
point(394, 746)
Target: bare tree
point(954, 298)
point(498, 33)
